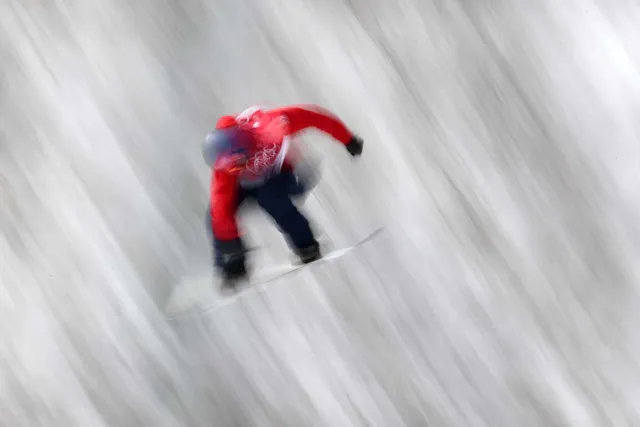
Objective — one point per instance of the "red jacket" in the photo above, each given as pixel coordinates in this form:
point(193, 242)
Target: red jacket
point(269, 133)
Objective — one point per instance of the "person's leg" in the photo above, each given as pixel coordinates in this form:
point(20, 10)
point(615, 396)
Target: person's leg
point(274, 198)
point(293, 185)
point(305, 176)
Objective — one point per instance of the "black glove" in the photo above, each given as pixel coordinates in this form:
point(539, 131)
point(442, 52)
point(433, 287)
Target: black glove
point(233, 258)
point(354, 147)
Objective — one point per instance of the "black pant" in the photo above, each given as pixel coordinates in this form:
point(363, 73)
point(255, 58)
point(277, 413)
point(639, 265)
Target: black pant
point(274, 196)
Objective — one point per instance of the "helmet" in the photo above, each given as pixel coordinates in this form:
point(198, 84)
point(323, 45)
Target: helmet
point(226, 138)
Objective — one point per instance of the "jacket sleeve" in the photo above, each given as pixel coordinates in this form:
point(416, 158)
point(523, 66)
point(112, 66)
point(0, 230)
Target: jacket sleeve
point(301, 117)
point(223, 205)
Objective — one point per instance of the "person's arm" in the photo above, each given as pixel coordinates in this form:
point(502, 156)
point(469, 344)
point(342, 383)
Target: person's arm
point(306, 116)
point(224, 206)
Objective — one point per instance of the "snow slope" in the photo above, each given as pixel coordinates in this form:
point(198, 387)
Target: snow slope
point(501, 154)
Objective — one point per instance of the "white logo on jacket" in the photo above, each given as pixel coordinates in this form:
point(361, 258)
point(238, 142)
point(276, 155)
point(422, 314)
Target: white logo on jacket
point(263, 160)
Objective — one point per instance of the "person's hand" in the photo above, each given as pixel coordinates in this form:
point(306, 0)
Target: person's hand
point(354, 147)
point(233, 259)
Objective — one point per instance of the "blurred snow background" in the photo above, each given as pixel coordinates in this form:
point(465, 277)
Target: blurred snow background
point(501, 153)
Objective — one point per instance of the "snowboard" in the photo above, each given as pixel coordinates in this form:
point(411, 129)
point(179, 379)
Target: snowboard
point(199, 291)
point(276, 272)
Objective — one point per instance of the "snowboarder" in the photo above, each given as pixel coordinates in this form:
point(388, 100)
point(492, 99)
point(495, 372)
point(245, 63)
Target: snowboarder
point(251, 156)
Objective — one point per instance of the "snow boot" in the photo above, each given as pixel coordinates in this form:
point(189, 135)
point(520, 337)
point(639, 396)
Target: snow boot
point(309, 254)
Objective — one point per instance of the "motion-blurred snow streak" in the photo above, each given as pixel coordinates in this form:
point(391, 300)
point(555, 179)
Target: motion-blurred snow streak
point(501, 153)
